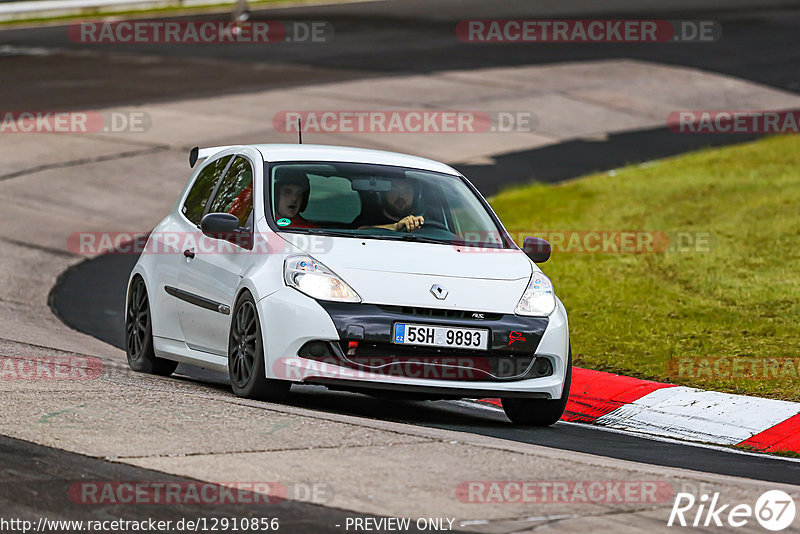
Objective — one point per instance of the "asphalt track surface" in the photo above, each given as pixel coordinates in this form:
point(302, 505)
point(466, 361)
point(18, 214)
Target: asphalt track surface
point(42, 69)
point(46, 484)
point(51, 72)
point(400, 37)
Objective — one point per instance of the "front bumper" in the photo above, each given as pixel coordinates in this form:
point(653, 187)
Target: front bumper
point(290, 320)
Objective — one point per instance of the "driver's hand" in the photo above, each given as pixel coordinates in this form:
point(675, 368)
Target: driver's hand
point(409, 223)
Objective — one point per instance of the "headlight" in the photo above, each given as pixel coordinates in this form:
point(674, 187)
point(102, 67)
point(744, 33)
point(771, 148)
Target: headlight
point(315, 280)
point(539, 299)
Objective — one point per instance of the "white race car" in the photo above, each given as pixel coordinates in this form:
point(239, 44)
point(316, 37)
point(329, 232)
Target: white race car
point(351, 268)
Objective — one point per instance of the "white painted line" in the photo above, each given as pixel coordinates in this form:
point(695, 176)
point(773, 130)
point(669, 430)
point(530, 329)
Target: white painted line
point(10, 50)
point(698, 415)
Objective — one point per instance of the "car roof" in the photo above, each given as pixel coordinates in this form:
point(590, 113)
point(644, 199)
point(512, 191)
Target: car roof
point(297, 152)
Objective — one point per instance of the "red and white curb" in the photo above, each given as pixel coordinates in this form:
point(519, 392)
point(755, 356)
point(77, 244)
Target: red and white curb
point(679, 412)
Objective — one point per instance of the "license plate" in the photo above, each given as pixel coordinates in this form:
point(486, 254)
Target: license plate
point(440, 336)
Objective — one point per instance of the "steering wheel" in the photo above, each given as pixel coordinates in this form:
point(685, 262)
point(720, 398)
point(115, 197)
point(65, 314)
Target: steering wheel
point(436, 224)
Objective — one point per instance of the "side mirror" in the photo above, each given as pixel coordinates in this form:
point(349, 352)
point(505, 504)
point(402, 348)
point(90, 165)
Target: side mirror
point(537, 249)
point(219, 225)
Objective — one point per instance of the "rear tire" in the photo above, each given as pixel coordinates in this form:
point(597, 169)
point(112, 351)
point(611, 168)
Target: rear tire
point(139, 334)
point(246, 356)
point(539, 412)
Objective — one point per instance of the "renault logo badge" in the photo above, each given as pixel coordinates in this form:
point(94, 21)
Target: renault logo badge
point(439, 292)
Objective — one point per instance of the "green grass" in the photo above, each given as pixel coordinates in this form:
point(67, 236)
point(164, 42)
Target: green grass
point(632, 313)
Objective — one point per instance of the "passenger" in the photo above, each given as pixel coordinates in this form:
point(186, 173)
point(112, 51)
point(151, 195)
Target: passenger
point(292, 190)
point(242, 205)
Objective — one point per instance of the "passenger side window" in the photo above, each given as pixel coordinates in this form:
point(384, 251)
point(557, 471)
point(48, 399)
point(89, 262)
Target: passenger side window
point(235, 193)
point(195, 204)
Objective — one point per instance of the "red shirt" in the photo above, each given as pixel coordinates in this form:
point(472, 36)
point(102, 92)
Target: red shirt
point(300, 222)
point(242, 205)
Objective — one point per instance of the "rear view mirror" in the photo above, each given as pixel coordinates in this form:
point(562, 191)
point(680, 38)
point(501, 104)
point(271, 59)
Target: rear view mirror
point(371, 183)
point(537, 249)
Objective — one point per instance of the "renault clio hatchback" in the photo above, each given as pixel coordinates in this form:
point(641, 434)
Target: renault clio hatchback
point(355, 269)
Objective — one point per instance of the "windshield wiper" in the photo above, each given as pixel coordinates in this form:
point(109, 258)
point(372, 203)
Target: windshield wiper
point(422, 239)
point(333, 233)
point(392, 237)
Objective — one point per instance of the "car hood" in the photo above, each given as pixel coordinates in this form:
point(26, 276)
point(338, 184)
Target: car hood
point(403, 273)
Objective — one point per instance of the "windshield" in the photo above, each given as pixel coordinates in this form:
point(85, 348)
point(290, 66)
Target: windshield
point(380, 202)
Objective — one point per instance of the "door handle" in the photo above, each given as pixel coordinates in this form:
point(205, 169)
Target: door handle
point(189, 253)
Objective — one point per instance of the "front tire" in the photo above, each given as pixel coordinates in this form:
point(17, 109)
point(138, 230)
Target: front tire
point(539, 412)
point(139, 334)
point(246, 367)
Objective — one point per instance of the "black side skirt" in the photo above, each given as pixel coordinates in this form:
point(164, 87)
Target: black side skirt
point(197, 300)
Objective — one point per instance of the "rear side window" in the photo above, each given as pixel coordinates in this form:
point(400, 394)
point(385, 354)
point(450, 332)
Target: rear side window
point(195, 204)
point(235, 193)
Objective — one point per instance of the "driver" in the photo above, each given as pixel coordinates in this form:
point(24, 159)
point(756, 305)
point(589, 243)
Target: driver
point(292, 190)
point(397, 207)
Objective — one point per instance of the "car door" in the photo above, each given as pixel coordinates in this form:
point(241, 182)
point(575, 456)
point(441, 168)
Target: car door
point(213, 269)
point(168, 241)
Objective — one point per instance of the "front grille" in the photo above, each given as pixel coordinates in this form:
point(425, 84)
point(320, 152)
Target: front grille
point(437, 312)
point(437, 363)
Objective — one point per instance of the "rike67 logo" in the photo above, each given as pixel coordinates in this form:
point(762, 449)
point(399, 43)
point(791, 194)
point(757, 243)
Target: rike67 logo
point(774, 510)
